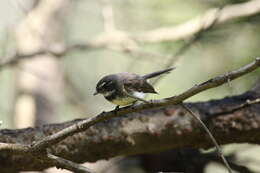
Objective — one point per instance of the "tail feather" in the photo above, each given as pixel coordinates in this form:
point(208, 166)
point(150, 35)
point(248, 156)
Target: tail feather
point(154, 74)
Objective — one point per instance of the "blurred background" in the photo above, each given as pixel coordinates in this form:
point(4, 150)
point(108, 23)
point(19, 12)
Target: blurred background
point(53, 53)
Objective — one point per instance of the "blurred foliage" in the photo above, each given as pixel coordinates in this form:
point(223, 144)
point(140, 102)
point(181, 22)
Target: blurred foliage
point(218, 51)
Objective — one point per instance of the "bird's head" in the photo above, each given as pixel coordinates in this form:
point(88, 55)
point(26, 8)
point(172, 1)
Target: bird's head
point(106, 85)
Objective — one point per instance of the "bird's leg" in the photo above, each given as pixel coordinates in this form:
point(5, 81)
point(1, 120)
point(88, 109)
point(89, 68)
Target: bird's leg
point(134, 104)
point(116, 109)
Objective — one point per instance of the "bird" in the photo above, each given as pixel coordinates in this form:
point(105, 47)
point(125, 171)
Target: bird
point(125, 88)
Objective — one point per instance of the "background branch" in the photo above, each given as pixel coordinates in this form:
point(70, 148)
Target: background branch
point(126, 42)
point(202, 22)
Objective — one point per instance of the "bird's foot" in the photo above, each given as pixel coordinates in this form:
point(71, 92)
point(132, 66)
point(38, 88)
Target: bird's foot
point(152, 101)
point(134, 104)
point(116, 109)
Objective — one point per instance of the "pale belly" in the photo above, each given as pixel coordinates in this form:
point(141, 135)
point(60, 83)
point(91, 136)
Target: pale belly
point(127, 100)
point(123, 101)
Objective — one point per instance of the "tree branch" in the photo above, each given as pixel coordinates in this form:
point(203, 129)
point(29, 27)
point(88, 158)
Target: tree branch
point(150, 130)
point(85, 124)
point(80, 126)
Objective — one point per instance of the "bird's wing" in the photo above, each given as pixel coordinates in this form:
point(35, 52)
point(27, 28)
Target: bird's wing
point(138, 85)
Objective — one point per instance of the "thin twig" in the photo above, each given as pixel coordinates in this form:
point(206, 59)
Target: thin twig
point(241, 106)
point(48, 157)
point(66, 164)
point(210, 135)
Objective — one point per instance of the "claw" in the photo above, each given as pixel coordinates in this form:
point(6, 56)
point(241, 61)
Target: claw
point(116, 109)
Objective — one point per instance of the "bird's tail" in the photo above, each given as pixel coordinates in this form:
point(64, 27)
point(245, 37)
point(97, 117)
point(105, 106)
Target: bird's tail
point(154, 74)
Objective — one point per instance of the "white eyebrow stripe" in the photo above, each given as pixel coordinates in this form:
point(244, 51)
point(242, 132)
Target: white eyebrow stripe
point(102, 84)
point(105, 83)
point(109, 82)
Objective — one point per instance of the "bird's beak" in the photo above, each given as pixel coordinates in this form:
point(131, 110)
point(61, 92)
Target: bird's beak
point(96, 93)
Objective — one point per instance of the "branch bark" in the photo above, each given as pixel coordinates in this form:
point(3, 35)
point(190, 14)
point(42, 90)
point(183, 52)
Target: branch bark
point(150, 130)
